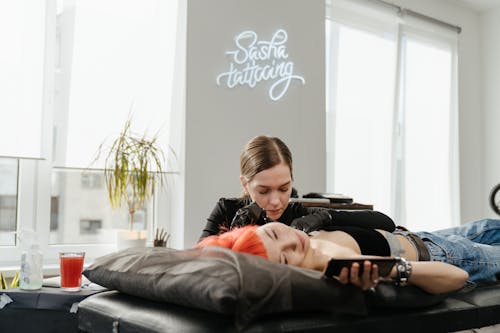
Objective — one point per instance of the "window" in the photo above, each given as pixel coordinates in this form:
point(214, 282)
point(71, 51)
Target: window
point(428, 141)
point(105, 73)
point(391, 115)
point(80, 209)
point(8, 201)
point(95, 64)
point(360, 117)
point(90, 227)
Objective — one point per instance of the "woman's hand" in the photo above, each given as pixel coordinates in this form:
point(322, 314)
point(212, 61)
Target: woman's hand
point(250, 214)
point(367, 280)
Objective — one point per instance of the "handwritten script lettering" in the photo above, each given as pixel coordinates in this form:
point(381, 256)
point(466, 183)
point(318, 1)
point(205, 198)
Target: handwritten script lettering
point(254, 61)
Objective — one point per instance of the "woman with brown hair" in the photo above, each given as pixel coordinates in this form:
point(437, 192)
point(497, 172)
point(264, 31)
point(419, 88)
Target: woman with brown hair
point(266, 176)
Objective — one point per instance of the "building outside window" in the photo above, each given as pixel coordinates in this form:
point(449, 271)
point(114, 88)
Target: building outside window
point(8, 201)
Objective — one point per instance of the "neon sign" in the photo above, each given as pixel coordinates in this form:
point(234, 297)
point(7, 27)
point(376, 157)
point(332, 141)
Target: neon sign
point(255, 61)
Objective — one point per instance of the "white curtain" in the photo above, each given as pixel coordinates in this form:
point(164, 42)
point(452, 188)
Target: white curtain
point(392, 113)
point(428, 116)
point(22, 42)
point(118, 62)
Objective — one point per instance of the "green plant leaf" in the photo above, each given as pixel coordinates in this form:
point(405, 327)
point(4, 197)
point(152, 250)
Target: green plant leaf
point(134, 165)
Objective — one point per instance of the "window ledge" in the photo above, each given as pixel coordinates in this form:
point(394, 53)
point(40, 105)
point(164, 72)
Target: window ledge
point(48, 270)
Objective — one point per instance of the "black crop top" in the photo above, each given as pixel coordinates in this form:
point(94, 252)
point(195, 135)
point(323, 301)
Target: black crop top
point(370, 241)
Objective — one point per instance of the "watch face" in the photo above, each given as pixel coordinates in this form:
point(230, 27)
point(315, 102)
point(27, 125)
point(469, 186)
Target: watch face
point(495, 199)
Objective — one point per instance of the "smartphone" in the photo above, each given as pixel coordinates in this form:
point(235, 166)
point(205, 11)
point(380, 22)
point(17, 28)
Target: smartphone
point(384, 265)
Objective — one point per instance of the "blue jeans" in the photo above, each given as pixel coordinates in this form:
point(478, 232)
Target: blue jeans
point(474, 247)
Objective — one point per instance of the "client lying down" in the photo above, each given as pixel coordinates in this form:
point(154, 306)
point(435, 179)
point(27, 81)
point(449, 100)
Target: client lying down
point(437, 262)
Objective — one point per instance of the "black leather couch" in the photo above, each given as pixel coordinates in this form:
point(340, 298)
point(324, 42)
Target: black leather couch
point(113, 311)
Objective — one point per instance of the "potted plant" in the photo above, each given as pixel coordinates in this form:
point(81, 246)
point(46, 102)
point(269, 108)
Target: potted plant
point(134, 166)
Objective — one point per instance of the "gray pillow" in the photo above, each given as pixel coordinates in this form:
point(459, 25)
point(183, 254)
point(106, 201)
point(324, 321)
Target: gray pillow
point(224, 281)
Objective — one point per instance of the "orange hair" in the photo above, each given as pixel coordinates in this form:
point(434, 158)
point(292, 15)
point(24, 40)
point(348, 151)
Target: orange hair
point(243, 239)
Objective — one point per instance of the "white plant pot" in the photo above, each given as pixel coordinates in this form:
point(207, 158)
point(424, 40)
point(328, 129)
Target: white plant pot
point(130, 238)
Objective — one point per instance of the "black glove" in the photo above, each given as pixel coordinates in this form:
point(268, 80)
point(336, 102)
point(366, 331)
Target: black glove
point(248, 215)
point(312, 222)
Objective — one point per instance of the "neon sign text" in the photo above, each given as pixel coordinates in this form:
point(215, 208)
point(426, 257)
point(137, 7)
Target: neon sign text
point(255, 61)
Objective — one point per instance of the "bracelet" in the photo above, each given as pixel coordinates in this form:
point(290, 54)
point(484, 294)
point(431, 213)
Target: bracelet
point(403, 271)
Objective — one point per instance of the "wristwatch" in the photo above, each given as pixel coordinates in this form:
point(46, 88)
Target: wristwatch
point(403, 271)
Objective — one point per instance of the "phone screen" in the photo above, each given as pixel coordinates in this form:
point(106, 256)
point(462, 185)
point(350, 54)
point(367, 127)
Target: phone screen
point(384, 265)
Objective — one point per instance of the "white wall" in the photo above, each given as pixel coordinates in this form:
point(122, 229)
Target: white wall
point(490, 42)
point(220, 120)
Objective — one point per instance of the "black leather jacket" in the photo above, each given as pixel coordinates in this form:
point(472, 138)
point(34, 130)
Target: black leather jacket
point(225, 210)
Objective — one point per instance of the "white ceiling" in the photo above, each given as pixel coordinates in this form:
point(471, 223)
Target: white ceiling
point(479, 5)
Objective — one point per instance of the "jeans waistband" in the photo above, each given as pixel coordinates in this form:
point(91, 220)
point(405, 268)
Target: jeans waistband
point(422, 251)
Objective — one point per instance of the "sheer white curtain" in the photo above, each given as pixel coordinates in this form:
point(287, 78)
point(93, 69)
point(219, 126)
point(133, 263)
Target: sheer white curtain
point(391, 117)
point(117, 60)
point(429, 139)
point(22, 40)
point(360, 115)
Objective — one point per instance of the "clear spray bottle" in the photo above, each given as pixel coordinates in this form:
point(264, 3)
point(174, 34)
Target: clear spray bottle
point(31, 274)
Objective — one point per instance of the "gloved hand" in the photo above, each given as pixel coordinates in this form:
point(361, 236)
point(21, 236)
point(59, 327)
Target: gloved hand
point(312, 222)
point(250, 214)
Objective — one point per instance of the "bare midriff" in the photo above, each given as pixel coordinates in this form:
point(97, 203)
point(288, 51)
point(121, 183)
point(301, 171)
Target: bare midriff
point(399, 244)
point(339, 238)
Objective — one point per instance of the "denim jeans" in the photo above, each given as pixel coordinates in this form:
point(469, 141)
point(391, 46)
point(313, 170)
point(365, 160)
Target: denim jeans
point(474, 247)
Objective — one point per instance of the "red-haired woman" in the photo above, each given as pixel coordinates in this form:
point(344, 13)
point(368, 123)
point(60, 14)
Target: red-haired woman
point(454, 255)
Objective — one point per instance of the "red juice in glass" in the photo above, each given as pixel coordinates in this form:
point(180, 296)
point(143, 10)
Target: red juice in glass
point(71, 264)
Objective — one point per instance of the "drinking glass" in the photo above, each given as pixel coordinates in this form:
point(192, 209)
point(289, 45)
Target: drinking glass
point(71, 264)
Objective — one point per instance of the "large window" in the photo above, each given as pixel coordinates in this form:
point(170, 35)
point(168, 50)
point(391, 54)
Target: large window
point(105, 73)
point(391, 118)
point(360, 117)
point(428, 141)
point(90, 65)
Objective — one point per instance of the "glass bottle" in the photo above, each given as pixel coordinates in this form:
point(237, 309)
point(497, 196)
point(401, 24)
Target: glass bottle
point(31, 273)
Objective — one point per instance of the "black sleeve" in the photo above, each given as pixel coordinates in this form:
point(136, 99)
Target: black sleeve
point(315, 218)
point(221, 217)
point(361, 218)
